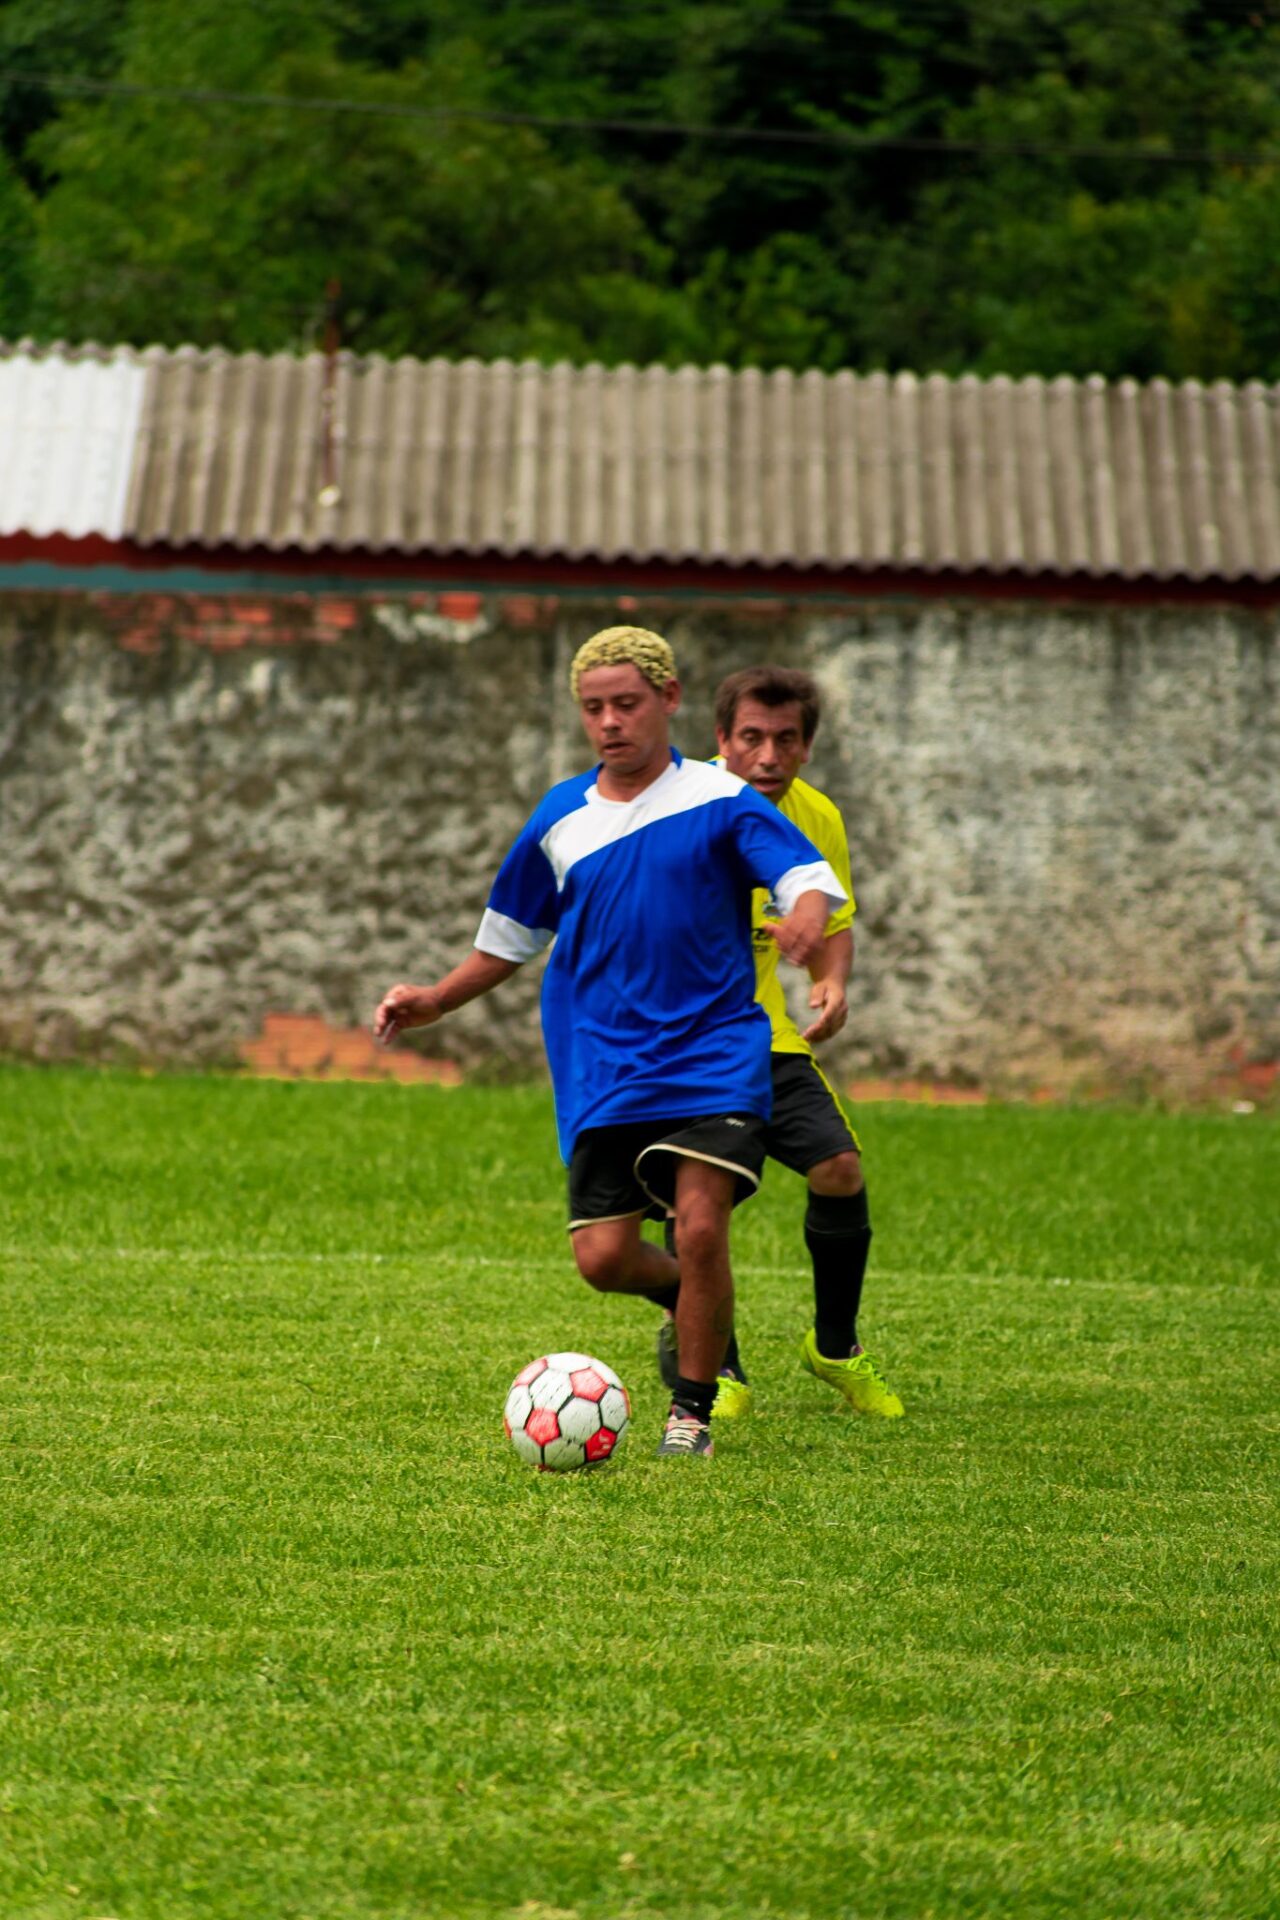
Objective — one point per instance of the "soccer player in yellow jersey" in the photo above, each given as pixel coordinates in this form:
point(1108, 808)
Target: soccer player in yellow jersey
point(766, 719)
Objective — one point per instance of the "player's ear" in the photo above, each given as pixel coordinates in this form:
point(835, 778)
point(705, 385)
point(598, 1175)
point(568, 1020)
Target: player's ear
point(671, 696)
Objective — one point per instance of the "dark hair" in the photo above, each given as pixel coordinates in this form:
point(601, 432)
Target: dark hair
point(772, 687)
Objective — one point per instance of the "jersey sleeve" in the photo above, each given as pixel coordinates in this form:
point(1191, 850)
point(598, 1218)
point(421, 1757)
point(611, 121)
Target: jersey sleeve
point(778, 856)
point(524, 907)
point(833, 842)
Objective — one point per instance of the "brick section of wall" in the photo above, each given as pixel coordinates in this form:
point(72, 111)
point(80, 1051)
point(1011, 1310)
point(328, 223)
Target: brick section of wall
point(1065, 822)
point(925, 1093)
point(299, 1046)
point(148, 623)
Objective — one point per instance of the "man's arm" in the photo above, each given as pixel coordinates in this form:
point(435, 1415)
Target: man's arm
point(830, 972)
point(778, 856)
point(422, 1006)
point(801, 935)
point(519, 922)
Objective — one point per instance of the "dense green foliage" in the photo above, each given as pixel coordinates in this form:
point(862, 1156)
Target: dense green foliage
point(286, 1629)
point(1100, 199)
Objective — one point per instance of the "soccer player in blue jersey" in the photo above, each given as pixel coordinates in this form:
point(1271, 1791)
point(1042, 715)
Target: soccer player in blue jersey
point(641, 873)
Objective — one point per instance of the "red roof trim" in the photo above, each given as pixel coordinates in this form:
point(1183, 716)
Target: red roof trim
point(497, 572)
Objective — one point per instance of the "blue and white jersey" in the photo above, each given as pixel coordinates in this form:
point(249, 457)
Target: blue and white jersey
point(648, 1001)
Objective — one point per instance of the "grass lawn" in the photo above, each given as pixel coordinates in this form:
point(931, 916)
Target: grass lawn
point(286, 1629)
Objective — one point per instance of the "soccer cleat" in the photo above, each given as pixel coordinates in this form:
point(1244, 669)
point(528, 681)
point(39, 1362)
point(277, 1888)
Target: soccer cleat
point(685, 1433)
point(668, 1355)
point(733, 1397)
point(855, 1378)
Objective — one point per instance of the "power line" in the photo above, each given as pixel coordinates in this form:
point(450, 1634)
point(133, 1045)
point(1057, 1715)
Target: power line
point(1264, 12)
point(931, 14)
point(644, 129)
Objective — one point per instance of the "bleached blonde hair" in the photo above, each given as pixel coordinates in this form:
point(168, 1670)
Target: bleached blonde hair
point(648, 652)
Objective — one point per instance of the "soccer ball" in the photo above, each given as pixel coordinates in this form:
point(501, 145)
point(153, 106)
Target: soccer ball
point(566, 1410)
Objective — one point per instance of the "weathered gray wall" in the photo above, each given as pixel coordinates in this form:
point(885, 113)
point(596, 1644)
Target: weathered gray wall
point(1065, 822)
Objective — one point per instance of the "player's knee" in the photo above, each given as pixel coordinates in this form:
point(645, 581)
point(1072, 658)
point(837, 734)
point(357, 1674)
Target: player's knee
point(602, 1260)
point(701, 1232)
point(838, 1177)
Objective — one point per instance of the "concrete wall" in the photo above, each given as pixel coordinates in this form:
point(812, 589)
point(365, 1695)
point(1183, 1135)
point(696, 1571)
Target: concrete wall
point(1065, 823)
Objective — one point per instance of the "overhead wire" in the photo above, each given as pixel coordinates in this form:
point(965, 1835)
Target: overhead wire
point(1263, 11)
point(830, 138)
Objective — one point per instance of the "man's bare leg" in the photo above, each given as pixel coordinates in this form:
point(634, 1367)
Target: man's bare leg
point(614, 1257)
point(704, 1311)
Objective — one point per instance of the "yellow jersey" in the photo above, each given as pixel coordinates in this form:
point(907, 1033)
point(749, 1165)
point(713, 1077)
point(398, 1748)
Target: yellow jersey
point(819, 819)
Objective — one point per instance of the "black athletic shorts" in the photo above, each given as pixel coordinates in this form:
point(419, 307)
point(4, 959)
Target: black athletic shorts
point(808, 1123)
point(619, 1171)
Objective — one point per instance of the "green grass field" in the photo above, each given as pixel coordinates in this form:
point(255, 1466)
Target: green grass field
point(288, 1631)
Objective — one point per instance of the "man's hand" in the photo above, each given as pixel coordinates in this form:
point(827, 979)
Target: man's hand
point(830, 998)
point(405, 1007)
point(799, 937)
point(423, 1006)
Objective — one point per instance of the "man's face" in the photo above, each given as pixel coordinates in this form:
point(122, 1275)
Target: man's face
point(626, 716)
point(766, 747)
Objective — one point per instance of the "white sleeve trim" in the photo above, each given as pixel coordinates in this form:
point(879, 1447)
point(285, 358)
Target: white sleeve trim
point(509, 940)
point(817, 877)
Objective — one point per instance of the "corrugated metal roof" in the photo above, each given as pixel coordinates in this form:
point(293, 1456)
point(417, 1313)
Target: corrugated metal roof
point(701, 465)
point(67, 433)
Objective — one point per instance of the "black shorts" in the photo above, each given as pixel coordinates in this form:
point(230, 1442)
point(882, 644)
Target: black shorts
point(808, 1123)
point(619, 1171)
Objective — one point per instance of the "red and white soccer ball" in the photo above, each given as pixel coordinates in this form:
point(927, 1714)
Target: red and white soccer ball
point(566, 1410)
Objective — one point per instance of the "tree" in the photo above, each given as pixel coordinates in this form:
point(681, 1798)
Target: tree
point(1000, 230)
point(17, 231)
point(49, 37)
point(213, 222)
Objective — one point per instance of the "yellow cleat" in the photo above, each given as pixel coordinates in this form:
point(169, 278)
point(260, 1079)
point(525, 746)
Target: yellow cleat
point(856, 1379)
point(733, 1398)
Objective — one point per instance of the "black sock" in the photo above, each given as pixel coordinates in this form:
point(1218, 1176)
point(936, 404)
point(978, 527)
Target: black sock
point(732, 1358)
point(694, 1396)
point(837, 1232)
